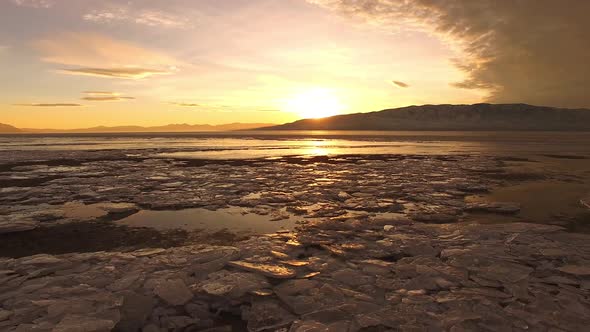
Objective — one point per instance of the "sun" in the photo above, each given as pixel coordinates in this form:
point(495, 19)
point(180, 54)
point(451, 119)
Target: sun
point(315, 103)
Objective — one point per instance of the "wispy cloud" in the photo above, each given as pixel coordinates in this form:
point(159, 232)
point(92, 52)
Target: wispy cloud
point(186, 104)
point(128, 73)
point(107, 98)
point(104, 96)
point(34, 3)
point(530, 51)
point(50, 105)
point(161, 19)
point(98, 55)
point(401, 84)
point(148, 17)
point(101, 93)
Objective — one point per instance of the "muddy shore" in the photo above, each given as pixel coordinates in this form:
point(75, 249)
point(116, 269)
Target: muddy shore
point(383, 242)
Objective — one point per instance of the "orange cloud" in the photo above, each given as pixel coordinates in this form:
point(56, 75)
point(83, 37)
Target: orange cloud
point(129, 73)
point(106, 98)
point(98, 55)
point(50, 105)
point(401, 84)
point(100, 93)
point(187, 104)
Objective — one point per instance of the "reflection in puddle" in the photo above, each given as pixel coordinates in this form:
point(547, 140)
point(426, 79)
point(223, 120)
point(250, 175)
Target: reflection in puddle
point(551, 202)
point(110, 211)
point(555, 200)
point(233, 219)
point(78, 210)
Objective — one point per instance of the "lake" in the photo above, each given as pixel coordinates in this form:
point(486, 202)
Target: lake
point(261, 144)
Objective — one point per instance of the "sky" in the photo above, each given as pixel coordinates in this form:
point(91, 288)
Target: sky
point(83, 63)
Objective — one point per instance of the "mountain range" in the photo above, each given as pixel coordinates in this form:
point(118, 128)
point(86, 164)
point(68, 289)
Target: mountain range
point(4, 128)
point(137, 129)
point(453, 117)
point(426, 117)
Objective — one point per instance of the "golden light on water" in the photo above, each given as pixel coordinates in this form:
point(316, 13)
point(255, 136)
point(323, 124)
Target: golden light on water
point(318, 148)
point(315, 103)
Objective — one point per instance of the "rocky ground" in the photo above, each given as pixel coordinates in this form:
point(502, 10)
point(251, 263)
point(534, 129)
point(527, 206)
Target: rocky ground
point(385, 243)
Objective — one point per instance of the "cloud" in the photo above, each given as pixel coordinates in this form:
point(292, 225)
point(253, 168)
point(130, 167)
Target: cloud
point(34, 3)
point(50, 105)
point(187, 104)
point(98, 55)
point(533, 51)
point(401, 84)
point(157, 18)
point(129, 73)
point(148, 17)
point(101, 93)
point(107, 98)
point(104, 96)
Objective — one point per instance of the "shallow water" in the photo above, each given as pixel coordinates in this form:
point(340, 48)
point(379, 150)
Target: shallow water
point(234, 219)
point(256, 144)
point(548, 202)
point(563, 157)
point(554, 200)
point(82, 211)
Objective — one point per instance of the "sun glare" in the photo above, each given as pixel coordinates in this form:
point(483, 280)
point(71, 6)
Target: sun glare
point(315, 104)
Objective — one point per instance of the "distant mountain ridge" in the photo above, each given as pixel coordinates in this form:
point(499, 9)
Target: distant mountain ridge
point(138, 129)
point(4, 128)
point(476, 117)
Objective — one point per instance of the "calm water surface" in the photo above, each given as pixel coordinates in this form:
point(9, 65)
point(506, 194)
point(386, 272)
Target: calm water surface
point(203, 219)
point(256, 144)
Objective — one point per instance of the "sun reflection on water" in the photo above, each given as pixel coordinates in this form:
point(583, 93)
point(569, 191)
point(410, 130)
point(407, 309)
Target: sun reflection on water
point(319, 148)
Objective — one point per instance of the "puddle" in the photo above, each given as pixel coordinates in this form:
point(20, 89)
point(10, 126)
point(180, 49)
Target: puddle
point(110, 211)
point(232, 219)
point(77, 210)
point(550, 202)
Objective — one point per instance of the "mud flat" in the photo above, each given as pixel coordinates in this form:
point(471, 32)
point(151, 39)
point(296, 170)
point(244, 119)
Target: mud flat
point(357, 243)
point(332, 277)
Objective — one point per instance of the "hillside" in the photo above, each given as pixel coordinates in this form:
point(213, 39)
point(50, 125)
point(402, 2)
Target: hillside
point(453, 117)
point(4, 128)
point(167, 128)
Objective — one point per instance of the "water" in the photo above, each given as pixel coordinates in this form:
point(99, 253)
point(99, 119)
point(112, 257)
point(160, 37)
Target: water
point(558, 152)
point(260, 144)
point(553, 200)
point(206, 220)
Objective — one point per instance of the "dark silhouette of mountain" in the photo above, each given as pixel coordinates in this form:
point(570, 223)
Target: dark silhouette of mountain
point(453, 117)
point(4, 128)
point(167, 128)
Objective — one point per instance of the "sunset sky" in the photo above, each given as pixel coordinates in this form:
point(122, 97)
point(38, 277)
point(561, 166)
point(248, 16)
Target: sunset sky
point(82, 63)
